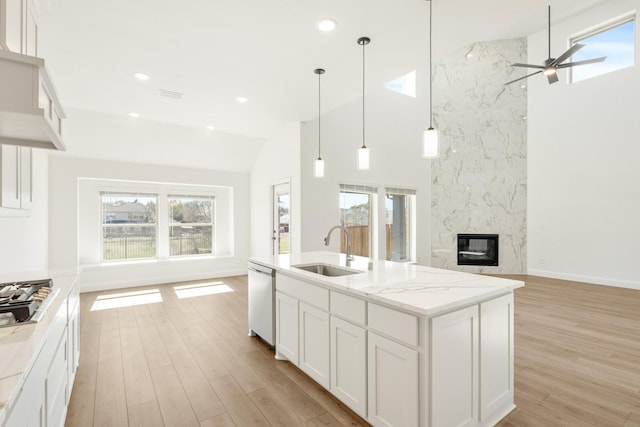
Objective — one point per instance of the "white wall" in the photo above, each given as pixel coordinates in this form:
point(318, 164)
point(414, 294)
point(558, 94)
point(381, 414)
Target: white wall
point(24, 240)
point(105, 136)
point(584, 173)
point(64, 243)
point(394, 126)
point(278, 161)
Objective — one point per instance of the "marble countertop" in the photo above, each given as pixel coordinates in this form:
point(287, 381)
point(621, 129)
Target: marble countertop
point(418, 289)
point(20, 344)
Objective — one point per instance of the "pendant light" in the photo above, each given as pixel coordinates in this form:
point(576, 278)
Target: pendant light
point(430, 136)
point(363, 152)
point(319, 165)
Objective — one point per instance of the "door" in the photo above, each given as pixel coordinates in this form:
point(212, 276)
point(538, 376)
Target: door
point(281, 218)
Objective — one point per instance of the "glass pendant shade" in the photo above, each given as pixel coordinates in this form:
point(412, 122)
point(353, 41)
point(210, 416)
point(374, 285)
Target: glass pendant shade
point(430, 144)
point(363, 158)
point(319, 169)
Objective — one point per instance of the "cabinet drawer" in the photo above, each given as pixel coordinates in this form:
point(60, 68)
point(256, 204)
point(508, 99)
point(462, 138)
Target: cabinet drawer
point(393, 323)
point(349, 308)
point(311, 294)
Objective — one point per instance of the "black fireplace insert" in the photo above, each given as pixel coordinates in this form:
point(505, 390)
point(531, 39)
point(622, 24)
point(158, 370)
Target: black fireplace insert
point(478, 249)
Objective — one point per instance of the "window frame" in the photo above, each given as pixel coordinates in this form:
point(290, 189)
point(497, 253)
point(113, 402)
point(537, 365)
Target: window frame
point(169, 196)
point(600, 29)
point(411, 233)
point(104, 226)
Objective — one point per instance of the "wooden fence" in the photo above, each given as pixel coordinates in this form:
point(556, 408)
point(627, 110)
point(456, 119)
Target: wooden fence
point(359, 236)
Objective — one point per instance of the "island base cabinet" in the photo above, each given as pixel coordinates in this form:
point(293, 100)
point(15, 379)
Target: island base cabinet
point(496, 363)
point(348, 367)
point(286, 328)
point(393, 383)
point(314, 344)
point(454, 368)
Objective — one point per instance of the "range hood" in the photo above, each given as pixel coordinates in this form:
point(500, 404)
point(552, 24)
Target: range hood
point(30, 112)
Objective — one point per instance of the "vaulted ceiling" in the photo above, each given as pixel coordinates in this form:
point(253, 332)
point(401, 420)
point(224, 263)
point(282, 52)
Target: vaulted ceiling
point(213, 51)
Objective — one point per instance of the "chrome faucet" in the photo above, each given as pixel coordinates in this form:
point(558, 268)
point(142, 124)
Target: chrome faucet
point(327, 240)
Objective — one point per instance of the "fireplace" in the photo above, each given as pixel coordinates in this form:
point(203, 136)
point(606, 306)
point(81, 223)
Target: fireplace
point(478, 249)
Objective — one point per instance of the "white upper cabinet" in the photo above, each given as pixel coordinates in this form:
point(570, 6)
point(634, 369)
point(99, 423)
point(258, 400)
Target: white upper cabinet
point(19, 27)
point(30, 112)
point(10, 176)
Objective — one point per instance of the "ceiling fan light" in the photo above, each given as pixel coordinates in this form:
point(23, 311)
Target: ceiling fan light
point(430, 144)
point(319, 168)
point(549, 71)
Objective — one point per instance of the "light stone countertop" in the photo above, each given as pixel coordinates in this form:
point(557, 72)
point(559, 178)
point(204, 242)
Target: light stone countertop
point(418, 289)
point(20, 344)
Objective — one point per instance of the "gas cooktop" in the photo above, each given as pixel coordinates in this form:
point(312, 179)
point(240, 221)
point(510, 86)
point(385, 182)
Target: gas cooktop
point(25, 302)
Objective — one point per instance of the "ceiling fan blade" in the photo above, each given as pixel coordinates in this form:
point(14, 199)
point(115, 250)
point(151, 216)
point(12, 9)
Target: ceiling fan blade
point(528, 66)
point(522, 78)
point(573, 49)
point(586, 61)
point(552, 78)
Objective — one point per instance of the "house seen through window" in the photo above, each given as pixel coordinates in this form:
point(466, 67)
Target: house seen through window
point(129, 226)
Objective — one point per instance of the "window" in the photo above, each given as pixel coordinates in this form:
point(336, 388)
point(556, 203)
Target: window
point(400, 224)
point(357, 215)
point(129, 226)
point(190, 225)
point(615, 40)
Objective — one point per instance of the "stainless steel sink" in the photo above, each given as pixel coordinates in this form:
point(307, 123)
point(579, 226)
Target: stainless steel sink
point(327, 270)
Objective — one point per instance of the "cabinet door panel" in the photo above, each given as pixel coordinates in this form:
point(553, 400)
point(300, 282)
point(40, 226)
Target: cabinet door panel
point(314, 343)
point(393, 383)
point(287, 328)
point(454, 368)
point(496, 364)
point(26, 177)
point(10, 169)
point(349, 364)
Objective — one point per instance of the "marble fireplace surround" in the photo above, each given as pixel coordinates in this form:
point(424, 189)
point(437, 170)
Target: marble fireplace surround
point(479, 183)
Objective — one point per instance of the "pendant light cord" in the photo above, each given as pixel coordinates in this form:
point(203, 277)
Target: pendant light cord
point(549, 26)
point(430, 58)
point(363, 144)
point(319, 127)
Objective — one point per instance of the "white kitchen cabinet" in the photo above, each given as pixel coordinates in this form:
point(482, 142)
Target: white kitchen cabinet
point(10, 176)
point(286, 327)
point(314, 343)
point(73, 343)
point(19, 26)
point(26, 177)
point(496, 363)
point(454, 368)
point(348, 364)
point(393, 397)
point(56, 385)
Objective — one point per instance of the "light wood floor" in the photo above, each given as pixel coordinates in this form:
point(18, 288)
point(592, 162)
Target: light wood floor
point(189, 362)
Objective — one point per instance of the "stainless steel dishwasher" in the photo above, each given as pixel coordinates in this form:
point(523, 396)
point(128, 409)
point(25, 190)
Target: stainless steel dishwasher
point(262, 295)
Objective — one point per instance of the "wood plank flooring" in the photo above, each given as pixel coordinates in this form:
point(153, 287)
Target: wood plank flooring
point(189, 362)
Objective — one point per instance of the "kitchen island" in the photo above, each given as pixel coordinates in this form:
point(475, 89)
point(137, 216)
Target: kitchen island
point(400, 344)
point(39, 360)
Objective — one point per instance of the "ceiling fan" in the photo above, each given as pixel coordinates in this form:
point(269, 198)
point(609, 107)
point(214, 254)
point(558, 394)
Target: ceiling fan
point(552, 65)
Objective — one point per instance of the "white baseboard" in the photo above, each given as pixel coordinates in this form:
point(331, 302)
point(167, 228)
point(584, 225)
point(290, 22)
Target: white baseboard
point(157, 280)
point(587, 279)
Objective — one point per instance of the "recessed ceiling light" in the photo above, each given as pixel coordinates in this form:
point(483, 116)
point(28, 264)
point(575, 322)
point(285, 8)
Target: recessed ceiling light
point(211, 127)
point(134, 115)
point(523, 86)
point(141, 76)
point(469, 55)
point(241, 99)
point(326, 25)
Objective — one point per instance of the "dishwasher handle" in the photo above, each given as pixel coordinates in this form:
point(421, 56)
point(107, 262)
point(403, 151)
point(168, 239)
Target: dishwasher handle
point(266, 273)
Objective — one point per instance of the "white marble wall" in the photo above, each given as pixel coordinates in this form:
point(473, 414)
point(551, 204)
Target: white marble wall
point(479, 183)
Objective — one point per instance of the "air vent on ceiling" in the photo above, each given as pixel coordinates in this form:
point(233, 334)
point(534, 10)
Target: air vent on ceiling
point(171, 94)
